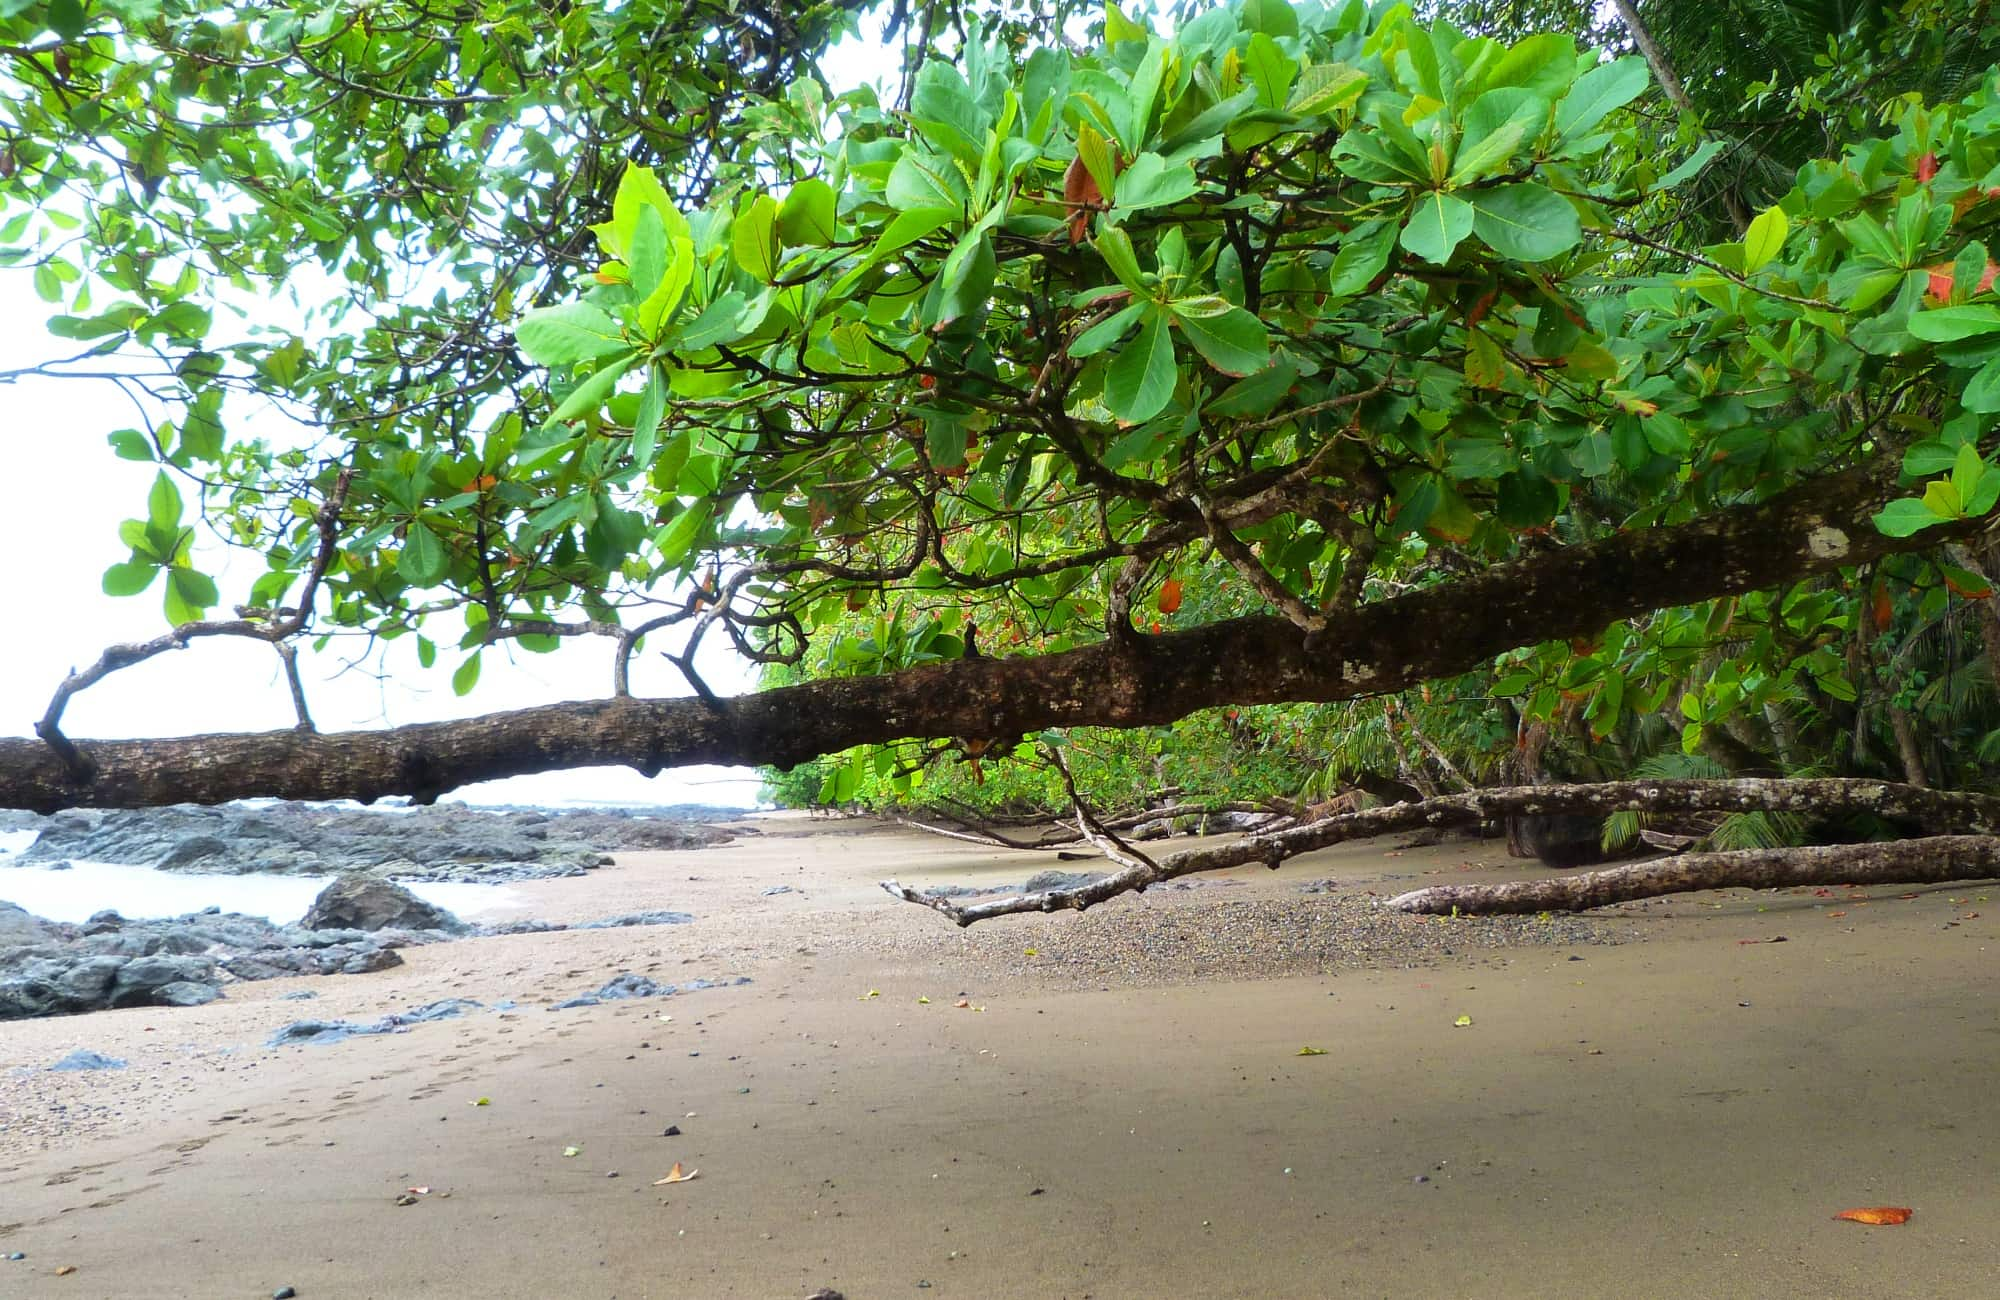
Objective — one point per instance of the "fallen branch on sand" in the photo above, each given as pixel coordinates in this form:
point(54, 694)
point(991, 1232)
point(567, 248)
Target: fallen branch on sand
point(1927, 860)
point(1958, 823)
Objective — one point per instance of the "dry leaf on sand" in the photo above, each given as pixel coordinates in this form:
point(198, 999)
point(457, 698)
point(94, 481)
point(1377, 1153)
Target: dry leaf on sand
point(675, 1175)
point(1880, 1214)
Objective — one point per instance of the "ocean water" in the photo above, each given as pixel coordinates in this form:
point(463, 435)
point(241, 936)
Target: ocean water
point(136, 892)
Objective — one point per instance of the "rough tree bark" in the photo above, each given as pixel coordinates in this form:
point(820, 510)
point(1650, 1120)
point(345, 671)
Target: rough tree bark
point(1933, 858)
point(1948, 816)
point(1379, 648)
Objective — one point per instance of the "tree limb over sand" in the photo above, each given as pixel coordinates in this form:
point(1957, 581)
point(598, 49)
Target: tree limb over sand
point(1954, 819)
point(1896, 862)
point(1126, 681)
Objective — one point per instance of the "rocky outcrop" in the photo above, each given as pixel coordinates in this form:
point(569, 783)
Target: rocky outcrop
point(48, 968)
point(361, 902)
point(444, 842)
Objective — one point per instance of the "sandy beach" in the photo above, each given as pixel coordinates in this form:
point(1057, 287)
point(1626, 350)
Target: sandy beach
point(1654, 1100)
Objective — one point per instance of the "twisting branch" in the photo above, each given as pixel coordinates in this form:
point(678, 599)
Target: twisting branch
point(1952, 815)
point(257, 624)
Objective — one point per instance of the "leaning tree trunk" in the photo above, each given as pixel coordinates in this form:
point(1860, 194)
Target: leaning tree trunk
point(1938, 857)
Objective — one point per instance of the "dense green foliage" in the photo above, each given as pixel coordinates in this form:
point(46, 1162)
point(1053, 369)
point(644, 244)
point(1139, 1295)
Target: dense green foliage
point(618, 320)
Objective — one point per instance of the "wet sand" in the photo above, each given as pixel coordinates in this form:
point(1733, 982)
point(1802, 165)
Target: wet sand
point(1120, 1112)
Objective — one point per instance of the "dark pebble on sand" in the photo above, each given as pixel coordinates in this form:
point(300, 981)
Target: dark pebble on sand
point(672, 1131)
point(283, 1293)
point(15, 1254)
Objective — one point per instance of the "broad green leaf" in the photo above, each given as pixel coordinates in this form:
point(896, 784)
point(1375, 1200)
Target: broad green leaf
point(1149, 183)
point(130, 444)
point(1765, 238)
point(1690, 165)
point(423, 560)
point(1106, 332)
point(1904, 516)
point(1326, 88)
point(467, 676)
point(589, 395)
point(648, 260)
point(1598, 92)
point(1982, 391)
point(1526, 222)
point(1438, 225)
point(569, 333)
point(163, 503)
point(1950, 324)
point(189, 594)
point(1140, 380)
point(677, 538)
point(1115, 247)
point(1230, 338)
point(129, 578)
point(646, 424)
point(755, 238)
point(1098, 159)
point(1364, 255)
point(807, 215)
point(1270, 69)
point(1495, 126)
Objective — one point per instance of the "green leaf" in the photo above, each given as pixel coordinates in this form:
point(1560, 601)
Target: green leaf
point(1150, 183)
point(423, 560)
point(755, 238)
point(1326, 88)
point(163, 503)
point(807, 216)
point(567, 334)
point(677, 538)
point(1904, 516)
point(1485, 364)
point(467, 675)
point(1690, 165)
point(1765, 238)
point(589, 395)
point(1597, 92)
point(1115, 247)
point(1106, 332)
point(646, 424)
point(1230, 338)
point(130, 444)
point(1140, 380)
point(648, 260)
point(1438, 225)
point(1950, 324)
point(66, 19)
point(1982, 391)
point(1362, 257)
point(1495, 126)
point(1526, 222)
point(129, 578)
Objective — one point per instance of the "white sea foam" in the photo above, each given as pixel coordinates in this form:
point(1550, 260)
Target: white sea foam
point(135, 892)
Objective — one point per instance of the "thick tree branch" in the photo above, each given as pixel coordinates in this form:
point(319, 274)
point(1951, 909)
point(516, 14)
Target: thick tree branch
point(1935, 858)
point(1383, 646)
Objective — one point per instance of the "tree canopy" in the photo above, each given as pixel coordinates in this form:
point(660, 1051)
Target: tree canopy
point(1259, 354)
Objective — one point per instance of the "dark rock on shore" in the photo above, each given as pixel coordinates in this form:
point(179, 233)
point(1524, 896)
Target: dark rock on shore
point(317, 1033)
point(84, 1059)
point(625, 984)
point(50, 968)
point(443, 842)
point(360, 902)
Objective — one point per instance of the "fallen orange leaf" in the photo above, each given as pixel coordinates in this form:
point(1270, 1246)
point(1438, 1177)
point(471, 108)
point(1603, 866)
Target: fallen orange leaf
point(1830, 915)
point(675, 1175)
point(1879, 1215)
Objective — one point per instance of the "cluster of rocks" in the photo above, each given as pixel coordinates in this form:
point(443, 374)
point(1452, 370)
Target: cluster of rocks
point(357, 924)
point(442, 842)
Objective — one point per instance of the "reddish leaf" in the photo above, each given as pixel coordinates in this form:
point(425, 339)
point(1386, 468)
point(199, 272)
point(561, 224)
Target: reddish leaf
point(1170, 595)
point(1926, 168)
point(1880, 1214)
point(1080, 196)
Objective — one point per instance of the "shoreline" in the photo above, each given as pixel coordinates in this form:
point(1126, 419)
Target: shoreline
point(1138, 1063)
